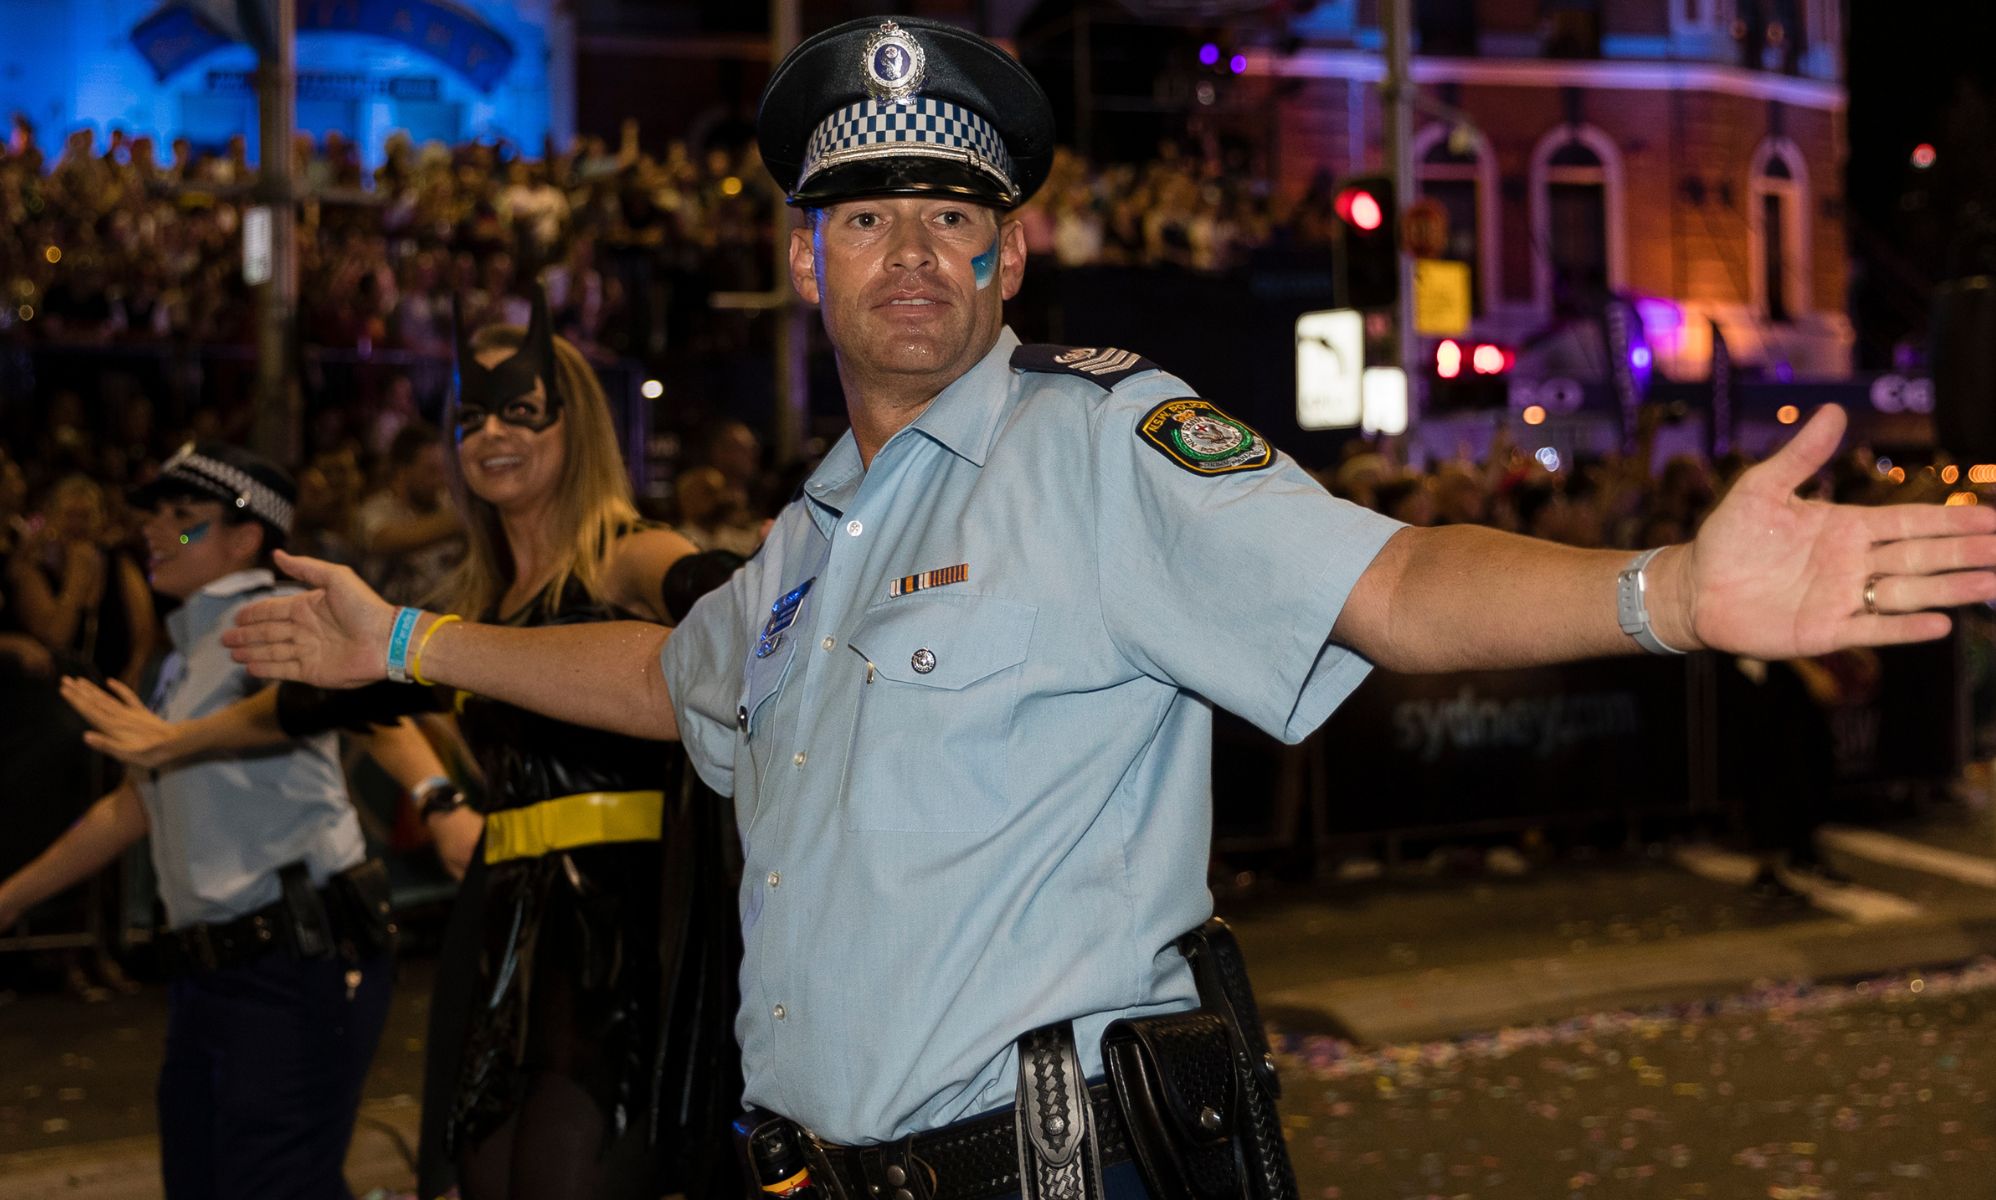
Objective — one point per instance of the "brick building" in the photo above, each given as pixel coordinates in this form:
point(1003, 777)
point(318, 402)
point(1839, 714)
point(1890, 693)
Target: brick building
point(1688, 153)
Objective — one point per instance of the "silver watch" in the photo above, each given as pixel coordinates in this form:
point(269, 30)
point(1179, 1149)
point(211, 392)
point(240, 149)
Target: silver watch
point(1632, 605)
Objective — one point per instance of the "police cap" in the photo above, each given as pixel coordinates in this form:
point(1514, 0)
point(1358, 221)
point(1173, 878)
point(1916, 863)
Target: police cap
point(238, 478)
point(904, 106)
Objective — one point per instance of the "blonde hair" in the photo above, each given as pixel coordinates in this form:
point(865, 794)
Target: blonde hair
point(593, 505)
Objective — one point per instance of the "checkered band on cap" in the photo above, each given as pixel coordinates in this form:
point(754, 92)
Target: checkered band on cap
point(230, 483)
point(917, 127)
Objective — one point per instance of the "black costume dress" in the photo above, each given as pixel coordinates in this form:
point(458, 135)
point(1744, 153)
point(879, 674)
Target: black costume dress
point(612, 965)
point(568, 973)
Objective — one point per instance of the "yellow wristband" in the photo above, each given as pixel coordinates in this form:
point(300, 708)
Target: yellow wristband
point(416, 655)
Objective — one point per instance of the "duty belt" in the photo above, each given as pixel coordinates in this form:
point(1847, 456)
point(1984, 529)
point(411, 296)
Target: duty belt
point(567, 822)
point(969, 1160)
point(332, 927)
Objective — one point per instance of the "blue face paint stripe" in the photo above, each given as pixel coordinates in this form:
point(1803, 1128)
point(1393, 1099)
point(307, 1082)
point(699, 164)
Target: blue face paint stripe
point(985, 265)
point(195, 533)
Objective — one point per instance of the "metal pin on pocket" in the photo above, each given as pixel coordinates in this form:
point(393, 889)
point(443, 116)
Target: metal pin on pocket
point(870, 668)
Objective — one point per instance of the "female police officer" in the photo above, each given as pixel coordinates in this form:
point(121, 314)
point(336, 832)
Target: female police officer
point(276, 923)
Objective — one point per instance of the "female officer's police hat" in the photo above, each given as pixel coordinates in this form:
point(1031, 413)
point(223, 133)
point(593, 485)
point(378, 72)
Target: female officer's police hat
point(904, 106)
point(230, 475)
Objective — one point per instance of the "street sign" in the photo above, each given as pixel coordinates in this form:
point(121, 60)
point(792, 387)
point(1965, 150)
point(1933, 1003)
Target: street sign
point(1441, 297)
point(1384, 393)
point(256, 245)
point(1330, 360)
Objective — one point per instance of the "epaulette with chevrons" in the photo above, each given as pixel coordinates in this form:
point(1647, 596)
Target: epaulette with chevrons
point(1104, 366)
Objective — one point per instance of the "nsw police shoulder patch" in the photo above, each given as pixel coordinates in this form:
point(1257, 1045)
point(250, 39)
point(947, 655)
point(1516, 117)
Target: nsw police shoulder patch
point(1202, 439)
point(1104, 366)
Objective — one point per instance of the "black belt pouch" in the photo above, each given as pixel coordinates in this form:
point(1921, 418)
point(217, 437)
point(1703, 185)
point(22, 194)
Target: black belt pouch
point(1220, 972)
point(1175, 1081)
point(364, 923)
point(306, 921)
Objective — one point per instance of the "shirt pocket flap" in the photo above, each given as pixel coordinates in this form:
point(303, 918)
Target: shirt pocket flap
point(945, 641)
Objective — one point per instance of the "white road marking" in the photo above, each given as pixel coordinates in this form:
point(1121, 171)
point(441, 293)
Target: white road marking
point(1917, 856)
point(1862, 905)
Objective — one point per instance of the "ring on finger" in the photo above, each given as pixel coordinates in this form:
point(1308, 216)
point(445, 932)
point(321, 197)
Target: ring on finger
point(1871, 594)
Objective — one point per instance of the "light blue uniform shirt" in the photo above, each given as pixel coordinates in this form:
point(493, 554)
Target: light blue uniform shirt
point(222, 826)
point(976, 808)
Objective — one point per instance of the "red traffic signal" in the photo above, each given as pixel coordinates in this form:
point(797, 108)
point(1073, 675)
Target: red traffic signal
point(1368, 245)
point(1452, 358)
point(1448, 359)
point(1487, 359)
point(1359, 208)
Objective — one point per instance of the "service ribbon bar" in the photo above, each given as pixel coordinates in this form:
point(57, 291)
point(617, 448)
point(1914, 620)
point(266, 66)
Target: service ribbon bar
point(929, 579)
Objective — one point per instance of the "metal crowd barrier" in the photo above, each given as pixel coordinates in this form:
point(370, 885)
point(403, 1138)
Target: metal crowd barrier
point(1632, 741)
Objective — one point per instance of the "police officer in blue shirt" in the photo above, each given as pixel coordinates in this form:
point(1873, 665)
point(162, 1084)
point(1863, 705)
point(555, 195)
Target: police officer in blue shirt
point(962, 697)
point(277, 928)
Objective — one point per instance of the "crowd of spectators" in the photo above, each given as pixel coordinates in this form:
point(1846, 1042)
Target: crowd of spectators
point(1176, 210)
point(118, 242)
point(1629, 501)
point(111, 244)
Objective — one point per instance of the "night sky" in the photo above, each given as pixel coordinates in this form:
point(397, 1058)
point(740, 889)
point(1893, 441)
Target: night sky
point(1919, 71)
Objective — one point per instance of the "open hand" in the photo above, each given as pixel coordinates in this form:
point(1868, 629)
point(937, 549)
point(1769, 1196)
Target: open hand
point(121, 726)
point(1773, 576)
point(335, 635)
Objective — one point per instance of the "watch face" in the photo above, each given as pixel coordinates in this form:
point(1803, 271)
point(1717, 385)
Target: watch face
point(439, 798)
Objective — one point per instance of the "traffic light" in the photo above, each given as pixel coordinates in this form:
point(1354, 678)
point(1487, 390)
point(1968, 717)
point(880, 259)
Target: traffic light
point(1470, 375)
point(1368, 243)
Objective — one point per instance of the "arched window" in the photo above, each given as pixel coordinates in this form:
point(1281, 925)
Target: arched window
point(1453, 165)
point(1576, 182)
point(1778, 230)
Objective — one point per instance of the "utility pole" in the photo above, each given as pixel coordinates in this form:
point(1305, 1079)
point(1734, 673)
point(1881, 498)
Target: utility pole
point(793, 333)
point(279, 407)
point(1398, 89)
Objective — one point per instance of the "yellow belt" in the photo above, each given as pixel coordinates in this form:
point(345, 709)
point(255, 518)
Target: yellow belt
point(566, 822)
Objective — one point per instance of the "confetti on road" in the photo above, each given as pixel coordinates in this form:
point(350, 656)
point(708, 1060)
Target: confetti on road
point(1833, 1092)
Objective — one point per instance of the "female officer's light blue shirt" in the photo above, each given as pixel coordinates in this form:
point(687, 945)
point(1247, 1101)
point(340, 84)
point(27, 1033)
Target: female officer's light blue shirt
point(972, 806)
point(222, 827)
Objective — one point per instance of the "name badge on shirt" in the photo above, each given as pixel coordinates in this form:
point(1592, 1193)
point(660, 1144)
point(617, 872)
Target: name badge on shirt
point(781, 615)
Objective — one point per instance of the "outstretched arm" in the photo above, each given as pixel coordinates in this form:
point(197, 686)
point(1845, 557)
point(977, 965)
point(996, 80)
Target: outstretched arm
point(87, 847)
point(1769, 575)
point(122, 727)
point(604, 675)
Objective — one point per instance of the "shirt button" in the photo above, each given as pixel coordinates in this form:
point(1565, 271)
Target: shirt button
point(855, 528)
point(799, 758)
point(777, 1012)
point(775, 878)
point(827, 643)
